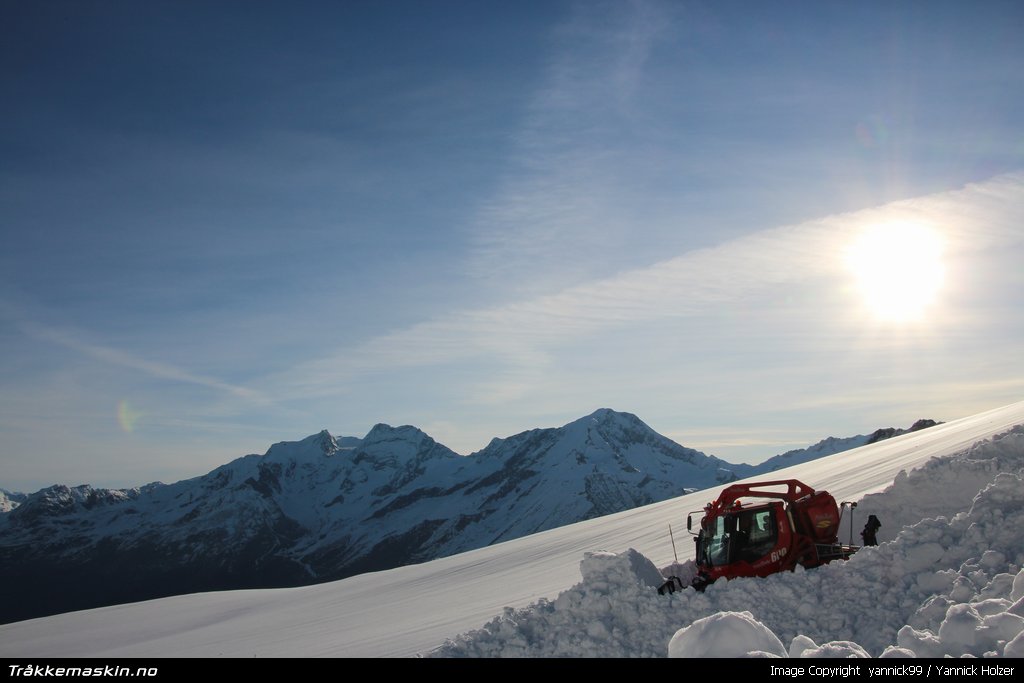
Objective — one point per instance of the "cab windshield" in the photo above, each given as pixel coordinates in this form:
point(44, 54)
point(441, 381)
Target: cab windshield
point(743, 536)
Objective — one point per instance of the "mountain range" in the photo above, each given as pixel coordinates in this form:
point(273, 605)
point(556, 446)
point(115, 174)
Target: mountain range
point(328, 507)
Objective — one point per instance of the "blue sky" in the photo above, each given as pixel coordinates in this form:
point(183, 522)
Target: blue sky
point(229, 224)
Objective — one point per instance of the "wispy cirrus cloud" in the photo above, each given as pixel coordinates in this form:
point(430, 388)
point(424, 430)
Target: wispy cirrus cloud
point(75, 341)
point(555, 214)
point(522, 335)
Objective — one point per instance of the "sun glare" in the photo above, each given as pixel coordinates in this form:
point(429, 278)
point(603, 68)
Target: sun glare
point(898, 269)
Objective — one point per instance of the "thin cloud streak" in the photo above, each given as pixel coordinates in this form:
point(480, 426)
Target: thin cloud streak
point(124, 359)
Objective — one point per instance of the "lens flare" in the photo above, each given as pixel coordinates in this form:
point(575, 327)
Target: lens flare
point(127, 417)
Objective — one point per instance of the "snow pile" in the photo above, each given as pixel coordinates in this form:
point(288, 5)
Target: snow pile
point(974, 609)
point(802, 646)
point(943, 486)
point(726, 634)
point(608, 613)
point(951, 584)
point(603, 570)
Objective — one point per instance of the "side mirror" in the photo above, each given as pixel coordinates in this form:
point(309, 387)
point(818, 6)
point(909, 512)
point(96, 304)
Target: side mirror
point(689, 523)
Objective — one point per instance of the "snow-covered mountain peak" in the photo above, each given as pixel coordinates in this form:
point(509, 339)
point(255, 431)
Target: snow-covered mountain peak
point(385, 432)
point(606, 422)
point(310, 450)
point(632, 444)
point(327, 443)
point(10, 500)
point(59, 500)
point(626, 424)
point(400, 445)
point(602, 414)
point(607, 416)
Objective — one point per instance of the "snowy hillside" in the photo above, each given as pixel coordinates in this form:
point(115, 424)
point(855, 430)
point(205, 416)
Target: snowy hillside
point(833, 445)
point(326, 508)
point(829, 446)
point(945, 584)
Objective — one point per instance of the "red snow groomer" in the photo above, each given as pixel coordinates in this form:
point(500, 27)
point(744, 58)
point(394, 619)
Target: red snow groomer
point(796, 526)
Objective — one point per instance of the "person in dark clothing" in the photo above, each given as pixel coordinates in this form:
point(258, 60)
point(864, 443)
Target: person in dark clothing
point(870, 531)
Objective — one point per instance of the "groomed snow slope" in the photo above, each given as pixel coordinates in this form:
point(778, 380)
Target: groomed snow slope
point(415, 609)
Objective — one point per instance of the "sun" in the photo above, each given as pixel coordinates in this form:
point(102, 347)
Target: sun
point(898, 269)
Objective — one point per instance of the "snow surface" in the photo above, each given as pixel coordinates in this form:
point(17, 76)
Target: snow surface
point(726, 634)
point(948, 584)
